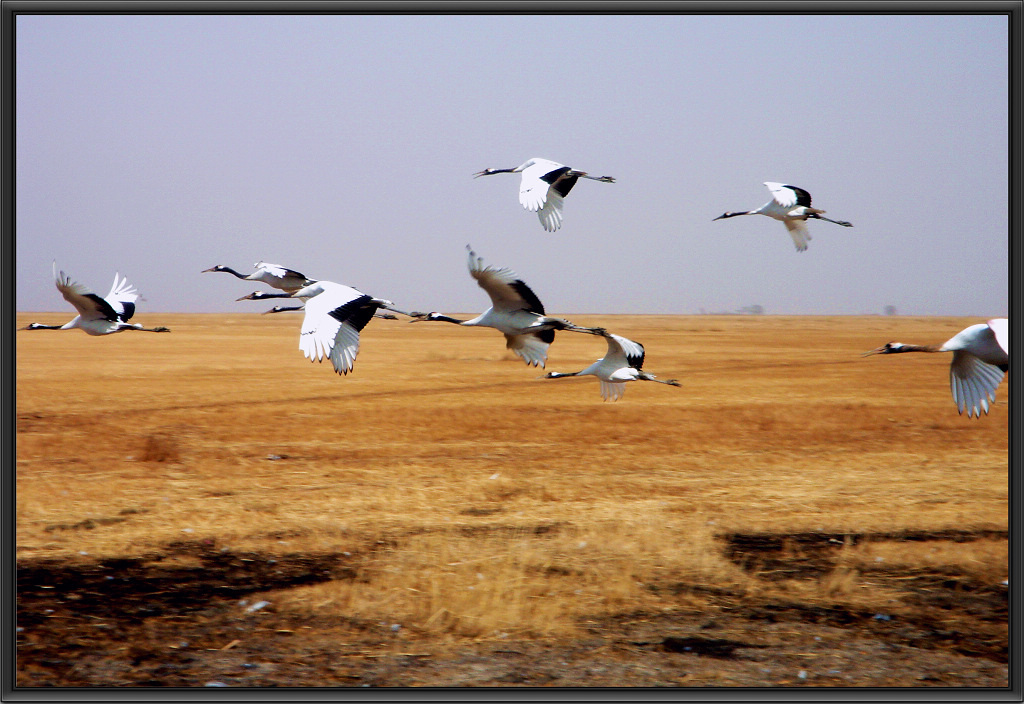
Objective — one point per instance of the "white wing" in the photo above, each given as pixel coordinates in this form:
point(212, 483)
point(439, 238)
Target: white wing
point(973, 383)
point(327, 334)
point(507, 291)
point(798, 231)
point(275, 270)
point(1001, 329)
point(533, 192)
point(530, 347)
point(122, 297)
point(316, 339)
point(122, 291)
point(785, 197)
point(551, 214)
point(624, 351)
point(279, 277)
point(346, 347)
point(612, 390)
point(89, 305)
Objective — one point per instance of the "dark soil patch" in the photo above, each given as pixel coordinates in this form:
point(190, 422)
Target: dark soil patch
point(189, 616)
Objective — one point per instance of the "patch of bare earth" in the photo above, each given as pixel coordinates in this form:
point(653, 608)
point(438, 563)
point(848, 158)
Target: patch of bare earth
point(192, 616)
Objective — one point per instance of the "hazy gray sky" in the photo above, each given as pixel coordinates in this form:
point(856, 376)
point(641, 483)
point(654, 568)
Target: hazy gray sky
point(344, 146)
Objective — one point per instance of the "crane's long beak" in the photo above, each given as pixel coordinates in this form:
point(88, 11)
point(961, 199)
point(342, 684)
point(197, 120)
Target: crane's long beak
point(877, 350)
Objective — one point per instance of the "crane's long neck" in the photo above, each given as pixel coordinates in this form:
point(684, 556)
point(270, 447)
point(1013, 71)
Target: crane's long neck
point(229, 270)
point(449, 319)
point(260, 295)
point(561, 375)
point(41, 326)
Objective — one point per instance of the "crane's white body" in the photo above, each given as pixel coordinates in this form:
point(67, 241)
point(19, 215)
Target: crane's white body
point(543, 187)
point(792, 207)
point(622, 363)
point(981, 357)
point(97, 315)
point(515, 311)
point(273, 275)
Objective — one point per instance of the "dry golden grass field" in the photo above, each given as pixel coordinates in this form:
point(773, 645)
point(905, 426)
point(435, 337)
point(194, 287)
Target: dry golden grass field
point(209, 508)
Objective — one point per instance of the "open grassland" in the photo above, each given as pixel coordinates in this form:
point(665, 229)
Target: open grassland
point(794, 514)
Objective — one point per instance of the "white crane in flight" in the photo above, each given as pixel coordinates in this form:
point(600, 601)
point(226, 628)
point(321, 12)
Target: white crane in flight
point(622, 363)
point(335, 314)
point(981, 356)
point(543, 186)
point(791, 206)
point(274, 275)
point(515, 311)
point(97, 315)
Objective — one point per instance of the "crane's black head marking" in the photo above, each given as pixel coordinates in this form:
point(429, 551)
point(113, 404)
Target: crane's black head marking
point(887, 348)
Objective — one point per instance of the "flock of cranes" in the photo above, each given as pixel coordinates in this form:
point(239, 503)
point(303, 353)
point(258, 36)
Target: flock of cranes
point(335, 314)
